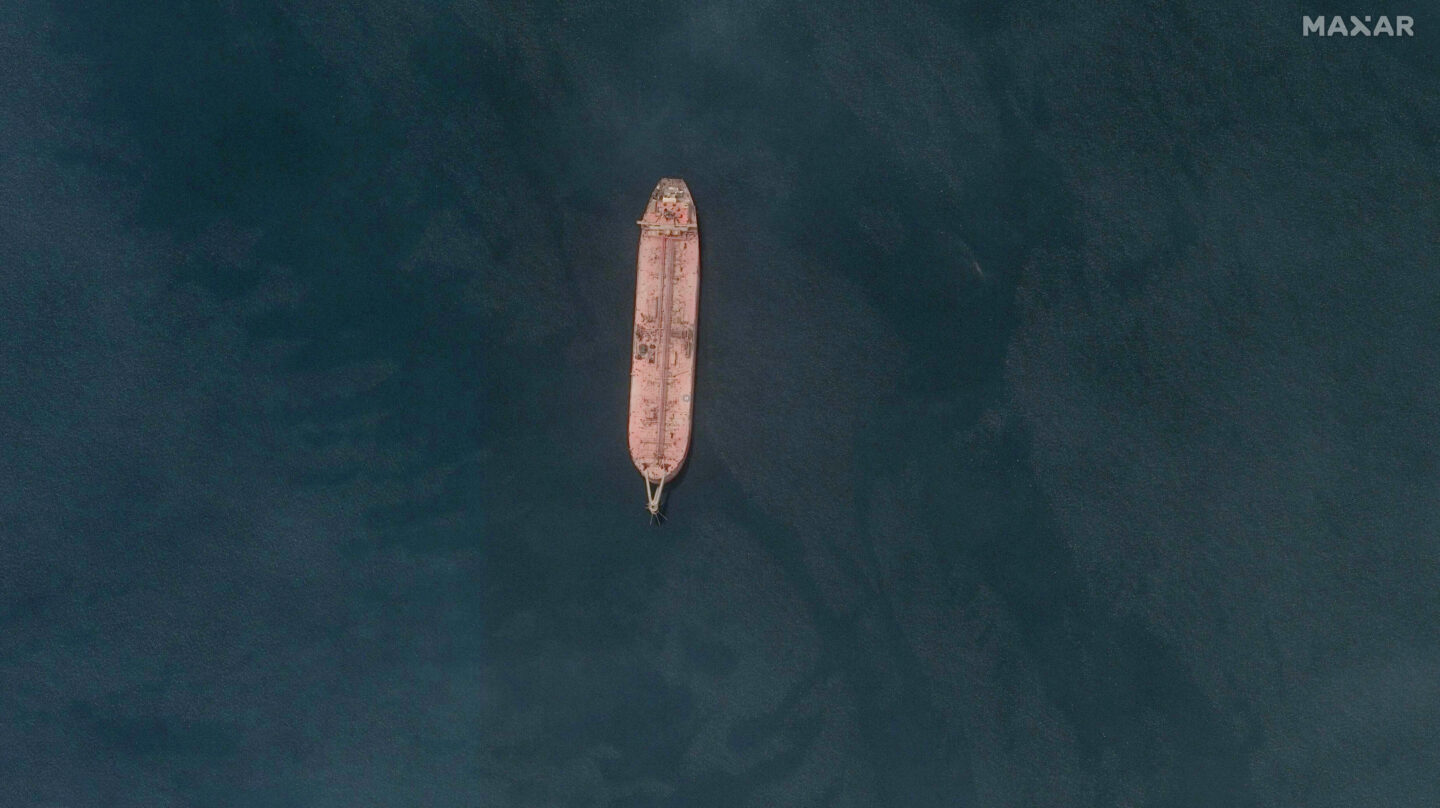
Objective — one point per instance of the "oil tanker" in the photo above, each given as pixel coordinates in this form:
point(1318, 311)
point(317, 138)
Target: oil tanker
point(662, 359)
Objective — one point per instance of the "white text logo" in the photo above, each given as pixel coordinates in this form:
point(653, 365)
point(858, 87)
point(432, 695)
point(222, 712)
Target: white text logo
point(1404, 26)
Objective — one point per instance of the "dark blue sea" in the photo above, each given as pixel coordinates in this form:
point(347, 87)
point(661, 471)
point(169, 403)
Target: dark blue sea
point(1066, 428)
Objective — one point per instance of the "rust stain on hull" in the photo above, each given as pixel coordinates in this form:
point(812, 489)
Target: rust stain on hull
point(662, 360)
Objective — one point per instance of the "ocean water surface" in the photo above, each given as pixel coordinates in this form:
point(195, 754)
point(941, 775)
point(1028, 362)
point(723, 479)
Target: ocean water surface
point(1065, 428)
